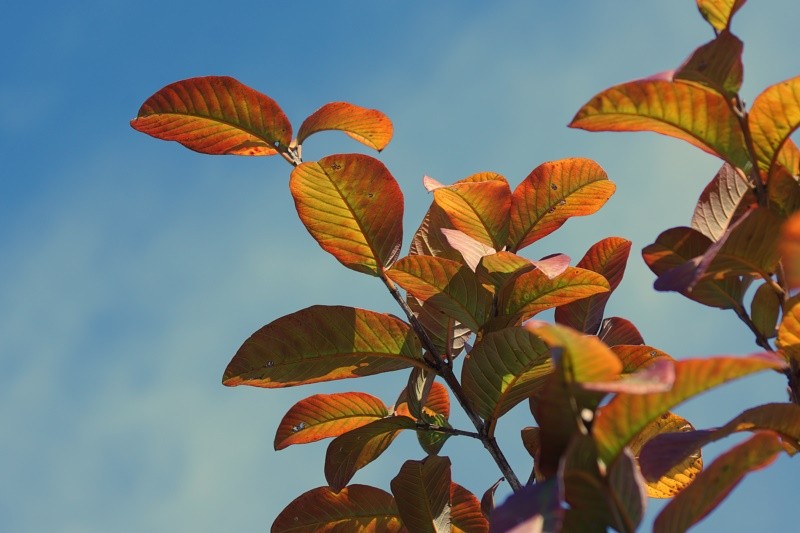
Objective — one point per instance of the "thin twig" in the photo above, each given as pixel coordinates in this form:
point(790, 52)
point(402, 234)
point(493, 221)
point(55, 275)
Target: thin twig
point(422, 426)
point(761, 340)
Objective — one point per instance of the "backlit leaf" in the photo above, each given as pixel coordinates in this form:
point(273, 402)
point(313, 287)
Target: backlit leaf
point(503, 369)
point(775, 114)
point(478, 208)
point(674, 479)
point(789, 329)
point(789, 248)
point(664, 451)
point(434, 411)
point(367, 126)
point(215, 115)
point(716, 482)
point(718, 13)
point(353, 207)
point(532, 292)
point(496, 269)
point(533, 509)
point(420, 383)
point(717, 64)
point(471, 250)
point(327, 415)
point(686, 111)
point(616, 330)
point(719, 202)
point(465, 512)
point(436, 402)
point(608, 258)
point(637, 357)
point(552, 193)
point(357, 508)
point(446, 285)
point(784, 192)
point(628, 488)
point(764, 310)
point(323, 343)
point(422, 492)
point(618, 422)
point(655, 377)
point(353, 450)
point(674, 248)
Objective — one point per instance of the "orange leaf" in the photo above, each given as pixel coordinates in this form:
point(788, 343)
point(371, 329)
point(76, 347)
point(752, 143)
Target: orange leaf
point(636, 357)
point(552, 193)
point(367, 126)
point(323, 343)
point(608, 258)
point(718, 13)
point(436, 402)
point(616, 330)
point(693, 113)
point(532, 291)
point(353, 207)
point(355, 449)
point(789, 247)
point(422, 492)
point(625, 415)
point(478, 208)
point(327, 415)
point(215, 115)
point(717, 480)
point(774, 116)
point(357, 508)
point(465, 512)
point(446, 285)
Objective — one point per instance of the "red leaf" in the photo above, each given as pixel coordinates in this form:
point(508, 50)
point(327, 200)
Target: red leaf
point(367, 126)
point(215, 115)
point(465, 512)
point(616, 330)
point(353, 207)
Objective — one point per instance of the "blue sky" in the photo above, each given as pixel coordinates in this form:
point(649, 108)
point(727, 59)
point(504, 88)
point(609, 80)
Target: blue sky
point(133, 269)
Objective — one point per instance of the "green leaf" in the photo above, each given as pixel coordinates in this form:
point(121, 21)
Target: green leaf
point(693, 113)
point(327, 415)
point(616, 330)
point(446, 285)
point(367, 126)
point(717, 480)
point(608, 258)
point(465, 512)
point(721, 202)
point(717, 65)
point(584, 358)
point(215, 115)
point(625, 415)
point(479, 209)
point(552, 193)
point(357, 508)
point(353, 207)
point(532, 292)
point(355, 449)
point(764, 310)
point(503, 369)
point(774, 116)
point(422, 493)
point(718, 13)
point(323, 343)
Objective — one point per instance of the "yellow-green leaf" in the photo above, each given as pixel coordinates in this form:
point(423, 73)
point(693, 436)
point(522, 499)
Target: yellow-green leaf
point(357, 508)
point(353, 207)
point(552, 193)
point(765, 309)
point(327, 415)
point(774, 116)
point(323, 343)
point(215, 115)
point(693, 113)
point(718, 13)
point(367, 126)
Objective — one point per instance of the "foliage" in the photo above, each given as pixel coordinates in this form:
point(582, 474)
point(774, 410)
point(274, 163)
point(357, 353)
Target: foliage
point(605, 437)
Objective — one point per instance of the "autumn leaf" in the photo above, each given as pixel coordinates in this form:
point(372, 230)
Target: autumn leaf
point(323, 343)
point(367, 126)
point(717, 64)
point(765, 309)
point(775, 114)
point(789, 249)
point(533, 509)
point(429, 239)
point(693, 113)
point(718, 13)
point(551, 194)
point(422, 492)
point(358, 508)
point(637, 357)
point(720, 202)
point(215, 115)
point(616, 330)
point(327, 415)
point(479, 209)
point(353, 207)
point(471, 250)
point(465, 512)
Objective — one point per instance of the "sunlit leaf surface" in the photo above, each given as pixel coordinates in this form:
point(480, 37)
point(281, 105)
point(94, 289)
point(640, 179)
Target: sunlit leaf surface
point(351, 451)
point(608, 258)
point(422, 491)
point(789, 248)
point(353, 207)
point(719, 202)
point(215, 115)
point(327, 415)
point(716, 481)
point(774, 116)
point(323, 343)
point(625, 415)
point(357, 508)
point(686, 111)
point(471, 250)
point(718, 13)
point(585, 358)
point(638, 356)
point(367, 126)
point(551, 194)
point(478, 208)
point(465, 512)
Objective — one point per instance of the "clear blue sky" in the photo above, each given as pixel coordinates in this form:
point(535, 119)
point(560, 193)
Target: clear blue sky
point(132, 269)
